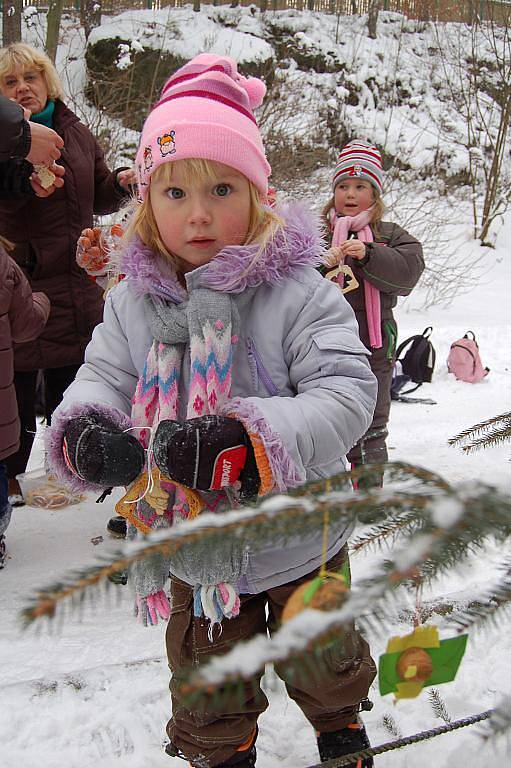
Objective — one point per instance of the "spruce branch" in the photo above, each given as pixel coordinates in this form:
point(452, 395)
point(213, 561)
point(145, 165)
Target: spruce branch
point(492, 606)
point(423, 555)
point(381, 533)
point(438, 705)
point(391, 726)
point(486, 434)
point(279, 518)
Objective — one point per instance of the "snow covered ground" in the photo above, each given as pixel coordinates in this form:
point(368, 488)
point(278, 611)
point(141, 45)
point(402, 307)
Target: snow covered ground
point(92, 691)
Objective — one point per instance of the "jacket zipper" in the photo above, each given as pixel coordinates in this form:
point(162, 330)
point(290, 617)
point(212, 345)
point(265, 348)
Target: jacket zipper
point(257, 369)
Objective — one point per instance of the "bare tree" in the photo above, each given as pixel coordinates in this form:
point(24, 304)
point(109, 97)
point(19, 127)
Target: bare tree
point(54, 16)
point(372, 17)
point(90, 15)
point(477, 70)
point(11, 21)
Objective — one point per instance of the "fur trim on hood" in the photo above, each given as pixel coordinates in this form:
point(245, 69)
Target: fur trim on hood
point(296, 245)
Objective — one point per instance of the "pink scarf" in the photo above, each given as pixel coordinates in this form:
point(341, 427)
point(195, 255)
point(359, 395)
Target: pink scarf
point(360, 224)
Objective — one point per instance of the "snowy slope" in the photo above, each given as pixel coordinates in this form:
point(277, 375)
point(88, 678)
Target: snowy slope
point(93, 691)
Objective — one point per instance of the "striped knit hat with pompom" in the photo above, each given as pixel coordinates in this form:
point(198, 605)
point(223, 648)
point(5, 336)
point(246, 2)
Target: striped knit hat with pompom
point(205, 111)
point(359, 160)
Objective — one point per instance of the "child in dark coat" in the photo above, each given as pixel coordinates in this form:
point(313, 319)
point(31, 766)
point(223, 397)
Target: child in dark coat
point(386, 262)
point(22, 318)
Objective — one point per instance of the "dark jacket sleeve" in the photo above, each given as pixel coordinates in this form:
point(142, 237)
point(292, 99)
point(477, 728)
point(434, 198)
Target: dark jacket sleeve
point(14, 130)
point(29, 311)
point(108, 195)
point(15, 181)
point(393, 266)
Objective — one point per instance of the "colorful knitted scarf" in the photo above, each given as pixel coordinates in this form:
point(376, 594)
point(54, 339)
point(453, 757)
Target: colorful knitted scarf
point(341, 226)
point(208, 320)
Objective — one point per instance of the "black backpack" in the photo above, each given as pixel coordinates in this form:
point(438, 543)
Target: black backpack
point(415, 365)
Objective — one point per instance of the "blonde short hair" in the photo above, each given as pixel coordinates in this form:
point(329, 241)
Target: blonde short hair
point(24, 57)
point(378, 210)
point(263, 222)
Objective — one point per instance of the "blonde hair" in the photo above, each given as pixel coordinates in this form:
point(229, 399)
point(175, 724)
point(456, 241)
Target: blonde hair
point(263, 222)
point(24, 57)
point(378, 211)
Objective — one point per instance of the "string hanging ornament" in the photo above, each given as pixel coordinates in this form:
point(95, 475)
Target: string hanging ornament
point(328, 590)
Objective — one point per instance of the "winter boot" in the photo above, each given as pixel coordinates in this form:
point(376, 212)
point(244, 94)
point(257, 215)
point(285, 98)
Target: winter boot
point(15, 496)
point(245, 757)
point(2, 551)
point(117, 526)
point(353, 738)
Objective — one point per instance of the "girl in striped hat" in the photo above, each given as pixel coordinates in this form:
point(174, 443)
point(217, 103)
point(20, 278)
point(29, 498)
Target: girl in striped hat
point(385, 261)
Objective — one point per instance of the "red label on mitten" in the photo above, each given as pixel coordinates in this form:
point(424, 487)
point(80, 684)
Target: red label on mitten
point(228, 466)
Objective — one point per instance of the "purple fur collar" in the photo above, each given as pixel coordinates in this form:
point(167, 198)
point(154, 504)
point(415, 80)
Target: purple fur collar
point(298, 244)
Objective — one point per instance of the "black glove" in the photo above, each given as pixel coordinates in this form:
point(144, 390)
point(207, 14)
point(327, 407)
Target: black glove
point(100, 452)
point(208, 453)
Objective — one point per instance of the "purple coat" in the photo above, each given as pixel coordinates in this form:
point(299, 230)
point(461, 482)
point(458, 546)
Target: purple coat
point(22, 318)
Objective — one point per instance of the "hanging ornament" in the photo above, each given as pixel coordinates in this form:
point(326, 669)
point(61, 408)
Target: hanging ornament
point(418, 660)
point(151, 488)
point(339, 275)
point(324, 593)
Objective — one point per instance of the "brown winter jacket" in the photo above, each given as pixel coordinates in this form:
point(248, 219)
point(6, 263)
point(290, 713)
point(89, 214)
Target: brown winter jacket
point(393, 264)
point(45, 231)
point(22, 318)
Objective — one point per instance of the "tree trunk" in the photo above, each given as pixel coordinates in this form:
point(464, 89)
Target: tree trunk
point(310, 5)
point(494, 177)
point(11, 21)
point(196, 6)
point(90, 15)
point(52, 33)
point(372, 18)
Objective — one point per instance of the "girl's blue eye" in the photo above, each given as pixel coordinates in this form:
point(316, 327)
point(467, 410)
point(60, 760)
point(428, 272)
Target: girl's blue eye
point(175, 193)
point(222, 190)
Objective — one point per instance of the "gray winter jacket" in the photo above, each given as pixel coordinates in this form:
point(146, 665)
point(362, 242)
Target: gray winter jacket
point(300, 373)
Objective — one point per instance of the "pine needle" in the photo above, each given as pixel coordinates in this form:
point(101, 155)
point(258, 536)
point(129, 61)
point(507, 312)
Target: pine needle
point(438, 706)
point(487, 433)
point(391, 726)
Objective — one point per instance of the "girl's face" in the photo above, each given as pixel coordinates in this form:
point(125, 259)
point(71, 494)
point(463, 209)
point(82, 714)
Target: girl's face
point(353, 196)
point(197, 219)
point(27, 87)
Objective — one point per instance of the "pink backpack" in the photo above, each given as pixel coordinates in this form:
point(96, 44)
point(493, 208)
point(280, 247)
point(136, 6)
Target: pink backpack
point(464, 361)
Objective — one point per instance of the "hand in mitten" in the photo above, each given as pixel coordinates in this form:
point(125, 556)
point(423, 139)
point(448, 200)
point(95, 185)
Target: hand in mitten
point(208, 453)
point(148, 609)
point(98, 451)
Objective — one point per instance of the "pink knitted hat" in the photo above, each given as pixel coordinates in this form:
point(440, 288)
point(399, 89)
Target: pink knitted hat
point(205, 111)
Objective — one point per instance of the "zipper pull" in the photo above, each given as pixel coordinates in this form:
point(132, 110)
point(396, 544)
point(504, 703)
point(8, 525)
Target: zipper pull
point(252, 363)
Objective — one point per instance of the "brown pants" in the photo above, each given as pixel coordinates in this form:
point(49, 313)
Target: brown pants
point(328, 696)
point(372, 447)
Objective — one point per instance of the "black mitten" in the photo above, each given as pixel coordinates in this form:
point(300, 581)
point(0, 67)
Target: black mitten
point(100, 452)
point(208, 453)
